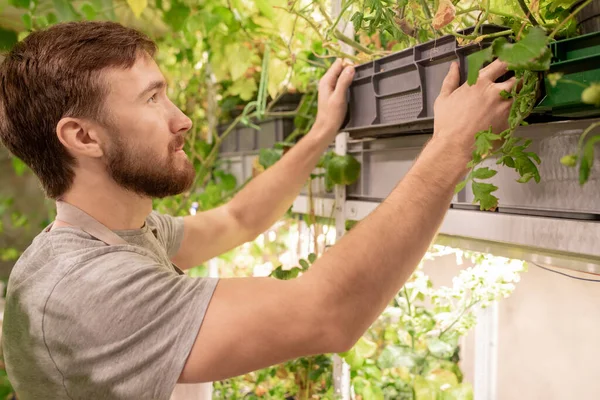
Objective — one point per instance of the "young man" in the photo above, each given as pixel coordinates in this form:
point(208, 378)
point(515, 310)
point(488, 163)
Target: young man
point(97, 310)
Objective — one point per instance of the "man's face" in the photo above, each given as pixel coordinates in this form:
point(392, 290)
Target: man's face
point(145, 133)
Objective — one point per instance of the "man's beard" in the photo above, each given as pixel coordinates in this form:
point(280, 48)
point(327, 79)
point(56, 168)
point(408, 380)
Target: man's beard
point(142, 172)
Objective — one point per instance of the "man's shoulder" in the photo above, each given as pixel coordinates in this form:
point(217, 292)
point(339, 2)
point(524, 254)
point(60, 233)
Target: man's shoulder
point(57, 254)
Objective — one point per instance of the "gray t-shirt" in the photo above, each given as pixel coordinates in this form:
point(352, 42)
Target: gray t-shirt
point(84, 320)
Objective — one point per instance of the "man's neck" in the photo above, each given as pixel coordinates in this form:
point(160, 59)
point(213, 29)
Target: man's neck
point(114, 207)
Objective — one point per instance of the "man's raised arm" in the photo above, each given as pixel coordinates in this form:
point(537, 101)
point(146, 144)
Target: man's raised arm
point(252, 323)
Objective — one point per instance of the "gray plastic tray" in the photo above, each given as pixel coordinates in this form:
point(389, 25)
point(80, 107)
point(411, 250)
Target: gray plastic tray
point(385, 161)
point(395, 94)
point(244, 139)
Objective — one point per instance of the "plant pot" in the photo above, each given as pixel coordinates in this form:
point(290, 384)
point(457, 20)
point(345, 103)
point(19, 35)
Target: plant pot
point(578, 59)
point(395, 94)
point(588, 19)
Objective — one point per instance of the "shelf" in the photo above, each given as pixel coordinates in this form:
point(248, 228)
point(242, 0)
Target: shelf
point(560, 242)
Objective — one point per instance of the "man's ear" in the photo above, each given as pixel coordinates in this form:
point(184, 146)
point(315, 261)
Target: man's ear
point(79, 137)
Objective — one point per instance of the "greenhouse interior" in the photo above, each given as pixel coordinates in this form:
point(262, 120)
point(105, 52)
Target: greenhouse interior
point(360, 226)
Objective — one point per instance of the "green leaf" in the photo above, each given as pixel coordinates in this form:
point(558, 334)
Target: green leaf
point(353, 359)
point(312, 257)
point(357, 20)
point(526, 177)
point(229, 182)
point(534, 156)
point(484, 173)
point(524, 165)
point(372, 392)
point(106, 8)
point(52, 18)
point(439, 348)
point(424, 389)
point(65, 10)
point(20, 3)
point(460, 186)
point(464, 391)
point(591, 95)
point(506, 95)
point(89, 12)
point(281, 274)
point(137, 6)
point(177, 15)
point(18, 166)
point(531, 52)
point(266, 8)
point(483, 142)
point(569, 160)
point(268, 157)
point(7, 39)
point(304, 265)
point(507, 160)
point(475, 61)
point(10, 254)
point(27, 21)
point(483, 195)
point(396, 356)
point(365, 348)
point(343, 170)
point(245, 88)
point(587, 159)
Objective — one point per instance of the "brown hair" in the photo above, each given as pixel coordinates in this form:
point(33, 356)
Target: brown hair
point(55, 73)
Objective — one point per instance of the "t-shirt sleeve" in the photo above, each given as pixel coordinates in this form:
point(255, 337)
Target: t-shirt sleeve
point(121, 326)
point(169, 231)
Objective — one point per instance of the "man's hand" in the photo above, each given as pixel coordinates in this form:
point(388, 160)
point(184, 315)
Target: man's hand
point(332, 97)
point(460, 112)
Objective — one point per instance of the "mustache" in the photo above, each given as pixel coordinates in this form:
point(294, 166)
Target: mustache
point(177, 143)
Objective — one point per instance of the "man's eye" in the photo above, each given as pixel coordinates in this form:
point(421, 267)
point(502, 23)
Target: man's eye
point(152, 99)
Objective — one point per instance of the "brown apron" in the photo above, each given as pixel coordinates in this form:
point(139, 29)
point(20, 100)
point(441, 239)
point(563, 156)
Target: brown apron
point(78, 218)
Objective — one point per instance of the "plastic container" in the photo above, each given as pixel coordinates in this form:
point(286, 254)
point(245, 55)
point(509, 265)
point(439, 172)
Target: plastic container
point(245, 139)
point(588, 19)
point(395, 94)
point(579, 60)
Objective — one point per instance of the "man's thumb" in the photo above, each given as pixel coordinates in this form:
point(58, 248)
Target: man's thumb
point(451, 82)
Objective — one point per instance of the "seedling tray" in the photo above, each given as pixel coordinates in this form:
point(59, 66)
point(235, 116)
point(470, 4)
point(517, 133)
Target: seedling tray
point(395, 94)
point(579, 60)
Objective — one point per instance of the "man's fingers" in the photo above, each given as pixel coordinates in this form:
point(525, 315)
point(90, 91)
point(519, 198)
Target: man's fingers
point(451, 82)
point(344, 81)
point(328, 81)
point(493, 71)
point(507, 85)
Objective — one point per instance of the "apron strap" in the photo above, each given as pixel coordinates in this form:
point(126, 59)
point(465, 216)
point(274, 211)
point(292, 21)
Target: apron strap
point(72, 215)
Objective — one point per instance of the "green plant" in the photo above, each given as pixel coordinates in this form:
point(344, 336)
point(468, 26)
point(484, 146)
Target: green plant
point(413, 350)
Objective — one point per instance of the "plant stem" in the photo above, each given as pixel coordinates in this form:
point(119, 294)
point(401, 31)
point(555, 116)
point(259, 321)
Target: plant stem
point(563, 23)
point(489, 36)
point(412, 338)
point(467, 10)
point(339, 53)
point(426, 9)
point(339, 17)
point(506, 15)
point(324, 12)
point(583, 85)
point(458, 318)
point(486, 12)
point(307, 19)
point(584, 135)
point(528, 12)
point(345, 39)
